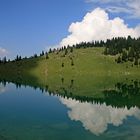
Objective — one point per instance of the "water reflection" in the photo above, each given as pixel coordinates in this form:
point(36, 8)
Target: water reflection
point(120, 95)
point(112, 116)
point(97, 117)
point(2, 89)
point(123, 94)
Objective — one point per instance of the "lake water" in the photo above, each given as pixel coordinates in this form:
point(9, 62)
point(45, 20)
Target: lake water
point(29, 114)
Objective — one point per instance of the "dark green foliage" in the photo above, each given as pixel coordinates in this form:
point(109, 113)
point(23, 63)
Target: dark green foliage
point(128, 48)
point(136, 62)
point(50, 50)
point(4, 60)
point(62, 80)
point(47, 56)
point(66, 51)
point(131, 52)
point(124, 56)
point(71, 49)
point(62, 65)
point(35, 55)
point(119, 59)
point(72, 63)
point(106, 51)
point(42, 53)
point(18, 58)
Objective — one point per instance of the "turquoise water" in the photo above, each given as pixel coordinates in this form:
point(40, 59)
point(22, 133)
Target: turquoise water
point(29, 114)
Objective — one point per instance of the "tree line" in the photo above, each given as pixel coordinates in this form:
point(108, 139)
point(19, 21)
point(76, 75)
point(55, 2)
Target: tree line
point(4, 60)
point(126, 49)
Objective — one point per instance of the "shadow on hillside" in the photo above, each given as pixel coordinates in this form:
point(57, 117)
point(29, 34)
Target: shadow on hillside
point(20, 72)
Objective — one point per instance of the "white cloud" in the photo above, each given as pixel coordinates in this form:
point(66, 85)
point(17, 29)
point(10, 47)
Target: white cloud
point(97, 117)
point(3, 52)
point(125, 6)
point(96, 25)
point(134, 6)
point(115, 9)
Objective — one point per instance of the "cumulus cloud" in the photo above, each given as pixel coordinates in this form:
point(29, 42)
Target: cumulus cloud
point(96, 25)
point(3, 52)
point(97, 117)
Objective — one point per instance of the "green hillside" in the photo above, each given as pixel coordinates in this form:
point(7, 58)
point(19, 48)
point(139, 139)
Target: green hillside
point(84, 72)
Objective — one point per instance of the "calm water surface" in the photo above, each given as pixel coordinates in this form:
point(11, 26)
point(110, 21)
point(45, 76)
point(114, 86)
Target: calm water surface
point(28, 114)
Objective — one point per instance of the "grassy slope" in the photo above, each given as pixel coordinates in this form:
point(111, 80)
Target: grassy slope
point(92, 72)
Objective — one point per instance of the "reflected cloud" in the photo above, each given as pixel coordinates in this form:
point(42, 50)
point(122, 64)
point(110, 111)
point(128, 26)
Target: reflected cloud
point(97, 117)
point(2, 89)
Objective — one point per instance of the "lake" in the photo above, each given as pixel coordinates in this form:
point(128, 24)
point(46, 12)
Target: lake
point(32, 114)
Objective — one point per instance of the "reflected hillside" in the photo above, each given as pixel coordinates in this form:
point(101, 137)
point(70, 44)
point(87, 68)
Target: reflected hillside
point(121, 94)
point(124, 94)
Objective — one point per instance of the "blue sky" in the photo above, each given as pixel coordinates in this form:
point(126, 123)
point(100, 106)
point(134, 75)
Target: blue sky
point(30, 26)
